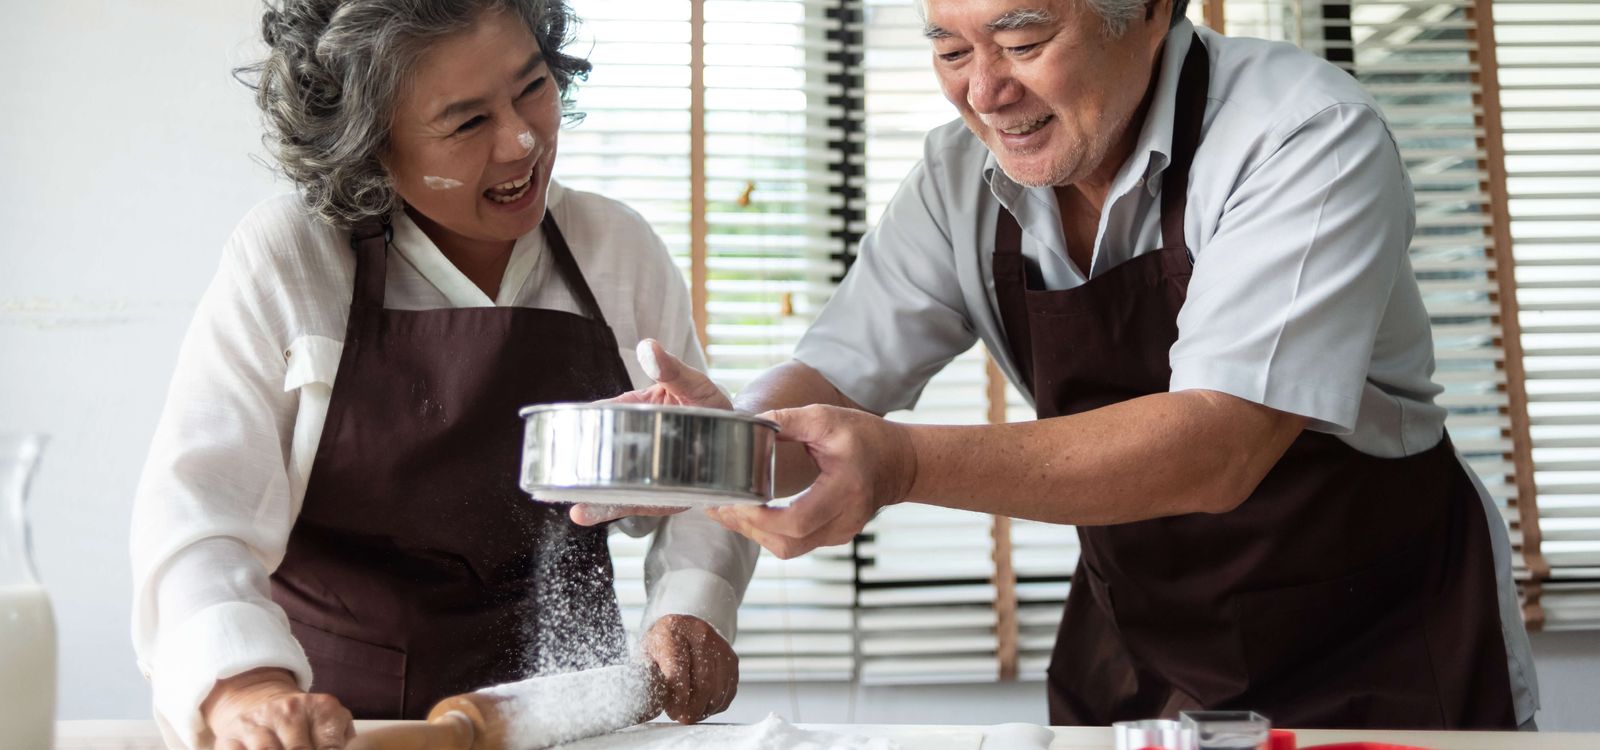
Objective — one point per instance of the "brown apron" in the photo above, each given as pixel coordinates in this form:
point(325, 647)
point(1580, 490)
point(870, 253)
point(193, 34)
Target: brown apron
point(1347, 591)
point(417, 568)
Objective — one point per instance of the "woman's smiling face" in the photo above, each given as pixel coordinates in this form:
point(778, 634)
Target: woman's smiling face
point(474, 134)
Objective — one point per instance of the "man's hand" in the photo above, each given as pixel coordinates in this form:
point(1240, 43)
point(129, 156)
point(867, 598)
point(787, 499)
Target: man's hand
point(699, 671)
point(264, 709)
point(864, 463)
point(677, 384)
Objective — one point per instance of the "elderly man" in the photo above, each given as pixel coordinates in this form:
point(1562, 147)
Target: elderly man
point(1191, 252)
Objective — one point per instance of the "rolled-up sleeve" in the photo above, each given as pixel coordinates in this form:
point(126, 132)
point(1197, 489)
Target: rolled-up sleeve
point(212, 513)
point(1288, 295)
point(694, 566)
point(898, 317)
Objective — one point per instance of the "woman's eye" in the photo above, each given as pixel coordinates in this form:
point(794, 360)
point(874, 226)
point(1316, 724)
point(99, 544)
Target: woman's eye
point(534, 86)
point(1023, 49)
point(471, 124)
point(952, 56)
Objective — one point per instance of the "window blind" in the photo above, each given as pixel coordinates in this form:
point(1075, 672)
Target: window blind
point(1549, 83)
point(927, 575)
point(764, 249)
point(809, 114)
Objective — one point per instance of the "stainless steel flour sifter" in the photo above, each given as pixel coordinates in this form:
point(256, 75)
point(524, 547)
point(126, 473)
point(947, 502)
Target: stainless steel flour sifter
point(646, 454)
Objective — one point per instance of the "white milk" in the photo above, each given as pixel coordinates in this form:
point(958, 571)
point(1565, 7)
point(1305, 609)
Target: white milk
point(27, 668)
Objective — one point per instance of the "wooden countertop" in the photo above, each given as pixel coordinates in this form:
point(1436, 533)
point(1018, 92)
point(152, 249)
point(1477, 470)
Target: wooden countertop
point(142, 735)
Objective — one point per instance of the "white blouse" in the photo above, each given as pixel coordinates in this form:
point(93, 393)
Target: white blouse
point(231, 455)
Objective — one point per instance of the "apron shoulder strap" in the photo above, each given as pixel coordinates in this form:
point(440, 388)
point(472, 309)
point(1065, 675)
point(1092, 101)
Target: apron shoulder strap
point(370, 241)
point(567, 265)
point(1193, 82)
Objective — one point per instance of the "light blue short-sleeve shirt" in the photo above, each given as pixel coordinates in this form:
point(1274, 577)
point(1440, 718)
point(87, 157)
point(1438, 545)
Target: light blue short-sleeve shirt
point(1300, 215)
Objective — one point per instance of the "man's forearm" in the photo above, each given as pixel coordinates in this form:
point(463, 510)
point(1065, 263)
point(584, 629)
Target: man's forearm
point(1161, 455)
point(786, 386)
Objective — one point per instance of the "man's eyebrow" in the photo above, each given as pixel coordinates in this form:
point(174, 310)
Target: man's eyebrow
point(1020, 18)
point(468, 105)
point(1011, 20)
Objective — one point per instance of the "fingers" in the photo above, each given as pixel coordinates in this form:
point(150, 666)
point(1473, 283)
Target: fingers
point(631, 397)
point(332, 726)
point(720, 680)
point(260, 738)
point(677, 672)
point(775, 528)
point(686, 384)
point(699, 669)
point(799, 425)
point(256, 714)
point(810, 522)
point(588, 514)
point(293, 727)
point(705, 686)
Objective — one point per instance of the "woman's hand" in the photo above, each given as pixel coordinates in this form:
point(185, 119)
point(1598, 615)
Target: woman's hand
point(264, 709)
point(699, 671)
point(676, 384)
point(864, 463)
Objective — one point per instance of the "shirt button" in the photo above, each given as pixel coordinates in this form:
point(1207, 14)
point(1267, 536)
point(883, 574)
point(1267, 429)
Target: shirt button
point(1139, 182)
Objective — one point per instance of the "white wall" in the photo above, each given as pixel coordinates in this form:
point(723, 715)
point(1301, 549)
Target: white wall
point(124, 162)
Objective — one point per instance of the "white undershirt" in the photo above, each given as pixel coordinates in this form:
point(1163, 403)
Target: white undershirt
point(229, 462)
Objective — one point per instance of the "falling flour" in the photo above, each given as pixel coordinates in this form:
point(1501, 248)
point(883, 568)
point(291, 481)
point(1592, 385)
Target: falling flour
point(546, 711)
point(771, 733)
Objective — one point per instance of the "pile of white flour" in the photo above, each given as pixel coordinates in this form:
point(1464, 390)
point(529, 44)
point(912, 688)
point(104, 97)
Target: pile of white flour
point(771, 733)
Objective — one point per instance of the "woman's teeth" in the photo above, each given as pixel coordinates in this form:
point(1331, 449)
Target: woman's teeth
point(1028, 127)
point(509, 192)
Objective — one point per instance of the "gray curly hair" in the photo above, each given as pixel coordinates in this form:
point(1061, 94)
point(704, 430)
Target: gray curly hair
point(328, 86)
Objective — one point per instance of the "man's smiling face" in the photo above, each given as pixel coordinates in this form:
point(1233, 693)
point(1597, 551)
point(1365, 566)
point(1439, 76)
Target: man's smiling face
point(1041, 82)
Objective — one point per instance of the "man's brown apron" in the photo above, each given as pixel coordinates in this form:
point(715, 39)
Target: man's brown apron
point(1347, 591)
point(417, 568)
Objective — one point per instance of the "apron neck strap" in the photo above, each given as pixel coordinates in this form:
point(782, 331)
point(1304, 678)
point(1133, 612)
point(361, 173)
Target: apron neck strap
point(567, 265)
point(1190, 114)
point(370, 240)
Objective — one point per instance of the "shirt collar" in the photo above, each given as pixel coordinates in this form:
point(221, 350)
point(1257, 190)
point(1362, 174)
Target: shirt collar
point(1153, 150)
point(414, 245)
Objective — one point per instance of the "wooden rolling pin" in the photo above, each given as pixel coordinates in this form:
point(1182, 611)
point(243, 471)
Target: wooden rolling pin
point(535, 713)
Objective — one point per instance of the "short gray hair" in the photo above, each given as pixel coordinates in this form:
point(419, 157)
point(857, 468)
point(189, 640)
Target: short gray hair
point(1115, 15)
point(334, 70)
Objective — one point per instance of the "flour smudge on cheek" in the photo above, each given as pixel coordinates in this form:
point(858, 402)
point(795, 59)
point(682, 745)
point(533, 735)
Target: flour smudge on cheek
point(440, 183)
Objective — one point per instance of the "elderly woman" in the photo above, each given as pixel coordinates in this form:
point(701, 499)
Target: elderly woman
point(329, 521)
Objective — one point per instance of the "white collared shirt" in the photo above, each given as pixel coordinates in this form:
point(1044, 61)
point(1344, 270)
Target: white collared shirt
point(228, 466)
point(1300, 215)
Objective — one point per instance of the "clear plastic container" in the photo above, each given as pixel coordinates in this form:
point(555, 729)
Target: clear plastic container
point(1153, 734)
point(1228, 730)
point(27, 627)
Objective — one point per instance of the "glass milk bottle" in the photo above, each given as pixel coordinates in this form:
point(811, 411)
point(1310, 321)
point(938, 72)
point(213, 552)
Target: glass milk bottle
point(27, 630)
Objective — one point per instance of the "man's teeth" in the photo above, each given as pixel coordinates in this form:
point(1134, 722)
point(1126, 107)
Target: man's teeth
point(1028, 127)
